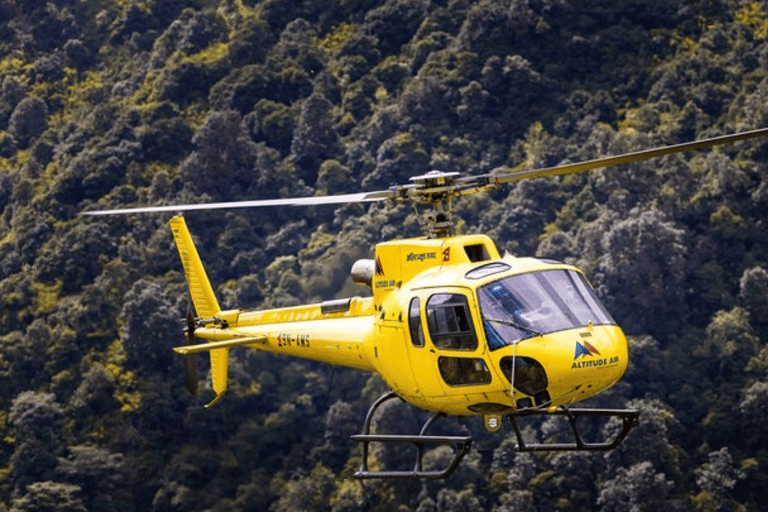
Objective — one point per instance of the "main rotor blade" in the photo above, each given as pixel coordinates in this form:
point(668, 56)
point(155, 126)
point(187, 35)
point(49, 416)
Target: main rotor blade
point(626, 158)
point(364, 197)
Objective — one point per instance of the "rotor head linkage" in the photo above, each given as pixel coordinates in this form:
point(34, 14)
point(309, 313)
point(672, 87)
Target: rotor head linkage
point(436, 189)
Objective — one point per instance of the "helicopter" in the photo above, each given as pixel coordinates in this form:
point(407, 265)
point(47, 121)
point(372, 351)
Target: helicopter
point(451, 325)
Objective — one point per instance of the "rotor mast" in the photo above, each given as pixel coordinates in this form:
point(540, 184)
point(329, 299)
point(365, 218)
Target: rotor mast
point(436, 189)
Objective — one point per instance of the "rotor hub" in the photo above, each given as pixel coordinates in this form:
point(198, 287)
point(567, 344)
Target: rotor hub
point(436, 189)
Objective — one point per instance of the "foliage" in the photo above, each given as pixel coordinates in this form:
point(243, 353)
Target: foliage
point(173, 101)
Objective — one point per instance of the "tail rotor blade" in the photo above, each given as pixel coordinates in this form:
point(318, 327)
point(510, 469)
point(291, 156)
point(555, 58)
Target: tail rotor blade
point(190, 364)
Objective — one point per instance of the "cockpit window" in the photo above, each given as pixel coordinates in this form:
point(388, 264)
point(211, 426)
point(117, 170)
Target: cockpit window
point(450, 322)
point(528, 305)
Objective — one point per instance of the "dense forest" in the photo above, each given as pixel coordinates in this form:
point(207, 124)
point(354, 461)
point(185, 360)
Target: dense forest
point(116, 103)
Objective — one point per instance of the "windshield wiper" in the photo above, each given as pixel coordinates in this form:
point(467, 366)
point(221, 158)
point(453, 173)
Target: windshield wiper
point(516, 325)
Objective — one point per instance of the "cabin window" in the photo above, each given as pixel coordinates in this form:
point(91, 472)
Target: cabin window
point(450, 322)
point(487, 270)
point(414, 323)
point(463, 371)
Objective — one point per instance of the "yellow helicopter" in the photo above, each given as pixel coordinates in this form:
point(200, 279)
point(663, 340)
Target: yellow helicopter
point(451, 326)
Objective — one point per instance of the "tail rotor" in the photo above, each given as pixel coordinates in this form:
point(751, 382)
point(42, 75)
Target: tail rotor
point(190, 364)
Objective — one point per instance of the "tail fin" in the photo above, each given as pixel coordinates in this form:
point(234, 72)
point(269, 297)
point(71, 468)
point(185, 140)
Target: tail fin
point(203, 297)
point(200, 288)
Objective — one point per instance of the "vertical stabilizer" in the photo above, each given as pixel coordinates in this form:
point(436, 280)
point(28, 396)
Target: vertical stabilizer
point(203, 297)
point(200, 288)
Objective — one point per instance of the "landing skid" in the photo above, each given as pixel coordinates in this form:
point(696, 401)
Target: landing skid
point(462, 444)
point(628, 420)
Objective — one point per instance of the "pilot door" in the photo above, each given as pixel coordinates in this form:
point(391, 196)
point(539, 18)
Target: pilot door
point(447, 354)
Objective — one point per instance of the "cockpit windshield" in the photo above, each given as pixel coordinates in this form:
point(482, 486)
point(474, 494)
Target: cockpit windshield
point(527, 305)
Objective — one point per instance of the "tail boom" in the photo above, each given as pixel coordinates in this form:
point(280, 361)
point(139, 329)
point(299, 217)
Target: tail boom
point(341, 341)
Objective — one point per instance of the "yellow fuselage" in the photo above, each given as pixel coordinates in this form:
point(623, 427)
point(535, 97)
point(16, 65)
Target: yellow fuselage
point(397, 335)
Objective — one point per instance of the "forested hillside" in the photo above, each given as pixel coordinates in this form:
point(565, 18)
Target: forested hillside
point(116, 103)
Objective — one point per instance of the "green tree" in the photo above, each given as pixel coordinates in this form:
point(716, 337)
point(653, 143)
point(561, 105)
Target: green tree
point(754, 413)
point(717, 479)
point(310, 493)
point(38, 420)
point(397, 159)
point(147, 333)
point(644, 292)
point(94, 394)
point(394, 23)
point(273, 123)
point(297, 45)
point(753, 294)
point(638, 488)
point(729, 344)
point(222, 164)
point(491, 27)
point(52, 27)
point(465, 500)
point(655, 438)
point(646, 373)
point(49, 496)
point(100, 476)
point(250, 41)
point(315, 138)
point(28, 121)
point(341, 421)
